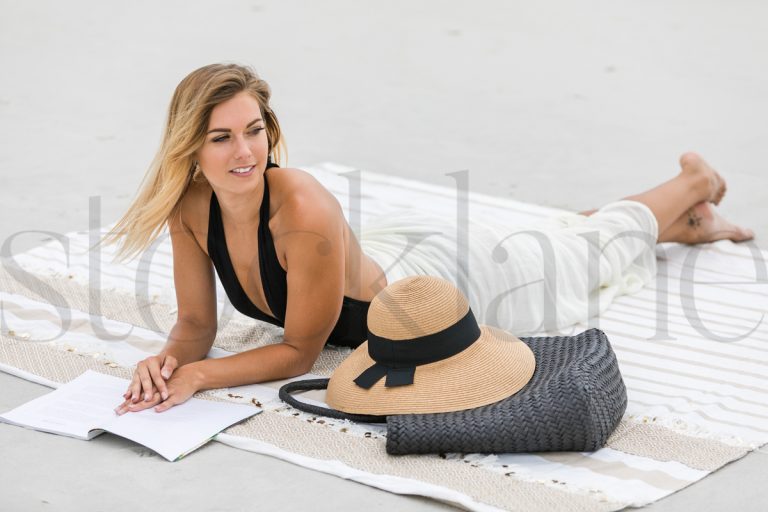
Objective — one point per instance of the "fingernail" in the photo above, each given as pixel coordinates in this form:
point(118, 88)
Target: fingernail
point(147, 397)
point(165, 395)
point(166, 374)
point(134, 397)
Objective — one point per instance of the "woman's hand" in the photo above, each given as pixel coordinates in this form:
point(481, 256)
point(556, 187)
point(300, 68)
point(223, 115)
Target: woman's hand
point(149, 378)
point(184, 383)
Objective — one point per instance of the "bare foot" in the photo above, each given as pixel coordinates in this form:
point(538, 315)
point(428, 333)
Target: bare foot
point(702, 224)
point(692, 163)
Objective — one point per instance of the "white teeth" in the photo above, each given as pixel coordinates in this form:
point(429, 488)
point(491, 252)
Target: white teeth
point(241, 170)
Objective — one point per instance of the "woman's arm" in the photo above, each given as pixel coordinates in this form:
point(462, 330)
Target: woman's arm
point(191, 337)
point(193, 277)
point(310, 235)
point(189, 341)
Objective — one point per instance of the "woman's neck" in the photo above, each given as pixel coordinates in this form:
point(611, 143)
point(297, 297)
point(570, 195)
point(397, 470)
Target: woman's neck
point(240, 209)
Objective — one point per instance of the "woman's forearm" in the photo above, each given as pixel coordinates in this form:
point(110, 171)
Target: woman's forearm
point(189, 342)
point(271, 362)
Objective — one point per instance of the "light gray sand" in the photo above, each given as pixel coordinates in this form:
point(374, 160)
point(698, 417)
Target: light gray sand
point(556, 103)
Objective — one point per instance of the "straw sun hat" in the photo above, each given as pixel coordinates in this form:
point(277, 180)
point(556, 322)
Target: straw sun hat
point(426, 353)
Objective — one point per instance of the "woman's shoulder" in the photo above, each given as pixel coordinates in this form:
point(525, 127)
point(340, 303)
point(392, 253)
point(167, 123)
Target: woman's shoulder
point(299, 202)
point(194, 207)
point(294, 188)
point(292, 178)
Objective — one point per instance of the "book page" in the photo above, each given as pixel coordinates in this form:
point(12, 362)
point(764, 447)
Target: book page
point(180, 429)
point(85, 406)
point(75, 409)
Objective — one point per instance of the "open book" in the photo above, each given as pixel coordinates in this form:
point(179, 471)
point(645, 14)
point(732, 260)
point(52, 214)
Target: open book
point(85, 407)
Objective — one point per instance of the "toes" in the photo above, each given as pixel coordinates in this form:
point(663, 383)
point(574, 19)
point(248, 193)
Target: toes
point(689, 159)
point(719, 196)
point(743, 234)
point(693, 165)
point(734, 234)
point(720, 188)
point(723, 189)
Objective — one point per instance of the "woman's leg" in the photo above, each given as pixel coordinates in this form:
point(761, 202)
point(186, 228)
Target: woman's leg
point(681, 205)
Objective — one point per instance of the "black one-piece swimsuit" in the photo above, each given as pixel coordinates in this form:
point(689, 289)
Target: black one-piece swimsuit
point(350, 330)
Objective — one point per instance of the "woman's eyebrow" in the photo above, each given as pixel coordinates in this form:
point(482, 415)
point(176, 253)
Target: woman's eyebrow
point(228, 130)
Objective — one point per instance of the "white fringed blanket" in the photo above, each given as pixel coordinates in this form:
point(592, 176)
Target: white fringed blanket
point(692, 347)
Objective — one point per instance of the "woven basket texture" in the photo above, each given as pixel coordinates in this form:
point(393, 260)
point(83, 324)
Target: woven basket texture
point(573, 402)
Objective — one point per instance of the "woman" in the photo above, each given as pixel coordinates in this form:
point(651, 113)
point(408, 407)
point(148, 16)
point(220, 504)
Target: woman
point(285, 253)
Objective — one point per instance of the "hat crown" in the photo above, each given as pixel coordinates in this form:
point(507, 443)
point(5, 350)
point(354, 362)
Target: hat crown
point(414, 307)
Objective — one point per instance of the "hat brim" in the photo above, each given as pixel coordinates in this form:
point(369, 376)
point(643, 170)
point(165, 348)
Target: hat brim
point(497, 365)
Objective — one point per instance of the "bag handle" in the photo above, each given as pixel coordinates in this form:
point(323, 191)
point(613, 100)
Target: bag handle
point(313, 384)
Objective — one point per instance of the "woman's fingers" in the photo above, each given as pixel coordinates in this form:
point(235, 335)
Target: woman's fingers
point(129, 406)
point(174, 399)
point(147, 388)
point(135, 387)
point(181, 387)
point(158, 379)
point(123, 407)
point(169, 365)
point(140, 406)
point(149, 378)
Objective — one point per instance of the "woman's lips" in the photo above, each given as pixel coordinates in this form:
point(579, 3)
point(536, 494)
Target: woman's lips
point(243, 174)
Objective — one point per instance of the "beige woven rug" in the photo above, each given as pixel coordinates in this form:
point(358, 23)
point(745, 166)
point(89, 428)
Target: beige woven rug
point(692, 349)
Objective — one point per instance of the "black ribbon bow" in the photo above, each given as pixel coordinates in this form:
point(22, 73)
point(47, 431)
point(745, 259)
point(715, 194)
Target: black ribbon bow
point(398, 359)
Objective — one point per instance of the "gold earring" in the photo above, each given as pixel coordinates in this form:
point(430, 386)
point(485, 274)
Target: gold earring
point(196, 171)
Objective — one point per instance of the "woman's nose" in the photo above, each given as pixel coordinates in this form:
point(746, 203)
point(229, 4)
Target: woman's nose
point(242, 150)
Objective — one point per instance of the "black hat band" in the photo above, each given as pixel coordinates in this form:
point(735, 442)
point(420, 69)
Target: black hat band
point(398, 359)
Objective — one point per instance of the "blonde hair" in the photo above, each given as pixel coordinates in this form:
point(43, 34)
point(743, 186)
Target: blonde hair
point(174, 168)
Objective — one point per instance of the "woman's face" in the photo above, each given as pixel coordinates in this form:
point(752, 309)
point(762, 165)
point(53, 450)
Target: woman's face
point(234, 154)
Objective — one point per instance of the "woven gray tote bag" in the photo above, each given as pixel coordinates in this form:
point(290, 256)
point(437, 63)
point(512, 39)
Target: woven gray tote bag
point(573, 402)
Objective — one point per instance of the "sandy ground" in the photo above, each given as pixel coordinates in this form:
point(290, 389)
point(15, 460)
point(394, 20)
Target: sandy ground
point(558, 103)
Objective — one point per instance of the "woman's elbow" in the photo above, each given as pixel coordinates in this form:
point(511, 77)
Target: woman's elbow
point(304, 366)
point(307, 360)
point(303, 359)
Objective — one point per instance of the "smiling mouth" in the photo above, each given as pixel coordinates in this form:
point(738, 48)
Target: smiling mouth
point(243, 170)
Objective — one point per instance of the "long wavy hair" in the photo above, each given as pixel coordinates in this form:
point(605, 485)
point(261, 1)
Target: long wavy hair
point(173, 169)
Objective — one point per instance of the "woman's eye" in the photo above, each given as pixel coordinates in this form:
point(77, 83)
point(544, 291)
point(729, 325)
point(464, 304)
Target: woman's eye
point(222, 138)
